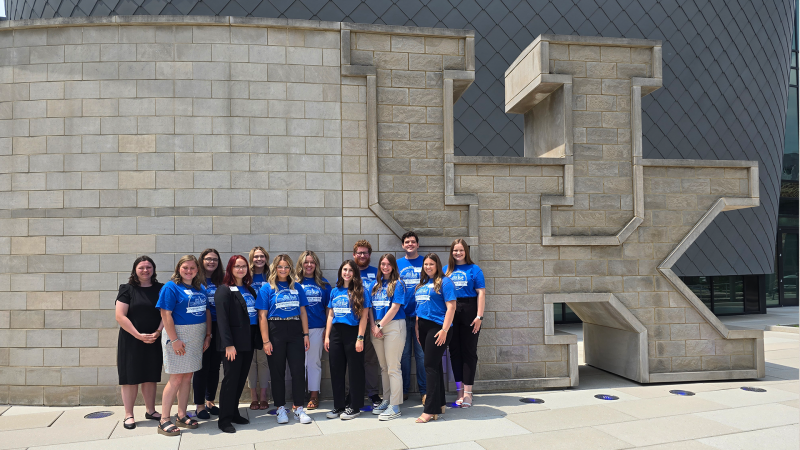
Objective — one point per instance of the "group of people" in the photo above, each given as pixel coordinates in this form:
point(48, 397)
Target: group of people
point(273, 321)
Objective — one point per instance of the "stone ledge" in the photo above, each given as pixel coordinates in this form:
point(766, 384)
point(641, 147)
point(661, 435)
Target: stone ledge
point(710, 375)
point(510, 160)
point(696, 163)
point(358, 71)
point(535, 91)
point(782, 329)
point(172, 20)
point(411, 31)
point(521, 384)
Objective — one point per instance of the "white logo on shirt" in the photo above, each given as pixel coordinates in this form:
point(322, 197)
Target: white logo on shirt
point(459, 279)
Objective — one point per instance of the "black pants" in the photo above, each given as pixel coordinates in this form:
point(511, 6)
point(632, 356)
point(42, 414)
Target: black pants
point(205, 380)
point(464, 344)
point(233, 384)
point(286, 337)
point(434, 373)
point(344, 357)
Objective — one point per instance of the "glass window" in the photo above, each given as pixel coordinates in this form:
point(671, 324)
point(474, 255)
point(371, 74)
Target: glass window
point(728, 295)
point(701, 288)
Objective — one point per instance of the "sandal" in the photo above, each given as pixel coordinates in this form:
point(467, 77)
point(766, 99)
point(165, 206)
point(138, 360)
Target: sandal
point(168, 429)
point(264, 404)
point(313, 403)
point(153, 416)
point(186, 422)
point(432, 417)
point(465, 403)
point(460, 396)
point(128, 426)
point(254, 405)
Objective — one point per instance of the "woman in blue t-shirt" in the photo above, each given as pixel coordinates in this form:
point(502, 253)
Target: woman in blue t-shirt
point(344, 340)
point(187, 326)
point(309, 274)
point(435, 296)
point(471, 301)
point(259, 368)
point(387, 321)
point(281, 306)
point(206, 379)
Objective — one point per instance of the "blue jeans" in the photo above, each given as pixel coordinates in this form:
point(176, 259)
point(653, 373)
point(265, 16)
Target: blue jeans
point(419, 356)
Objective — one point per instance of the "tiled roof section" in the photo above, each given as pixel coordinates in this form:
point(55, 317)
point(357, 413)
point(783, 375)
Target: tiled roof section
point(726, 69)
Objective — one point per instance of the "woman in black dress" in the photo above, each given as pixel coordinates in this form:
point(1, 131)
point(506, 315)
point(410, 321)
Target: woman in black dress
point(139, 355)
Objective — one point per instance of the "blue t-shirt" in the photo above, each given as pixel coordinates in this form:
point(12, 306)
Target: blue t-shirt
point(258, 281)
point(211, 289)
point(188, 305)
point(467, 278)
point(368, 276)
point(430, 304)
point(381, 301)
point(340, 303)
point(284, 302)
point(317, 302)
point(410, 271)
point(250, 301)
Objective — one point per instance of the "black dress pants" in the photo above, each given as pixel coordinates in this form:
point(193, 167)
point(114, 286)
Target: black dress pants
point(434, 372)
point(205, 380)
point(286, 337)
point(232, 385)
point(343, 357)
point(464, 344)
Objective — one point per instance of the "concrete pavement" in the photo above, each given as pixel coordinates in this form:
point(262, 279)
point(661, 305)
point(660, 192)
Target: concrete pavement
point(719, 416)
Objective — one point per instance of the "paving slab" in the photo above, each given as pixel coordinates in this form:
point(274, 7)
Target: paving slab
point(779, 438)
point(790, 386)
point(19, 410)
point(234, 447)
point(383, 439)
point(27, 421)
point(564, 418)
point(100, 430)
point(472, 445)
point(578, 438)
point(3, 409)
point(682, 445)
point(367, 421)
point(666, 429)
point(665, 406)
point(788, 353)
point(449, 431)
point(792, 403)
point(739, 398)
point(754, 417)
point(572, 398)
point(149, 442)
point(786, 374)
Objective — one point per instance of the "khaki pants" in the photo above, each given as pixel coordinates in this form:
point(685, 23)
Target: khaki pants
point(389, 349)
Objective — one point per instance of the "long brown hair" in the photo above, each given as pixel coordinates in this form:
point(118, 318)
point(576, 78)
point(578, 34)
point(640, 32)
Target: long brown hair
point(218, 274)
point(394, 276)
point(356, 289)
point(451, 262)
point(273, 271)
point(437, 280)
point(176, 275)
point(134, 279)
point(266, 260)
point(299, 273)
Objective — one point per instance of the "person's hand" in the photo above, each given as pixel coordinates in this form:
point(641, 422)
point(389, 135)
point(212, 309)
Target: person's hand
point(180, 348)
point(147, 338)
point(441, 337)
point(359, 346)
point(476, 325)
point(230, 352)
point(268, 348)
point(327, 344)
point(376, 332)
point(306, 343)
point(207, 342)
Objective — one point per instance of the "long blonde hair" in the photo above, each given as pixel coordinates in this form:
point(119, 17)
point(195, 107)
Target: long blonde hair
point(176, 275)
point(451, 262)
point(299, 273)
point(273, 272)
point(355, 291)
point(266, 258)
point(437, 280)
point(394, 276)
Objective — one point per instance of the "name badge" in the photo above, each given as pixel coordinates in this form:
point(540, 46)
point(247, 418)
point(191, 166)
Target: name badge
point(234, 289)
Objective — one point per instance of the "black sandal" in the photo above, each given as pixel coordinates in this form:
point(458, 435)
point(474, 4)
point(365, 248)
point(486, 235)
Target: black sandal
point(149, 416)
point(129, 426)
point(168, 429)
point(186, 422)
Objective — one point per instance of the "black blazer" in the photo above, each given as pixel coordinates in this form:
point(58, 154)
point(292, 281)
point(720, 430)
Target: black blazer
point(233, 322)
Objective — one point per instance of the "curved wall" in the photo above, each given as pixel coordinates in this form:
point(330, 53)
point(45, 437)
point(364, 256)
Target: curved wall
point(726, 69)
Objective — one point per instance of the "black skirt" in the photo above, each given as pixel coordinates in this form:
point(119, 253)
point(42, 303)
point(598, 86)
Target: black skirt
point(138, 362)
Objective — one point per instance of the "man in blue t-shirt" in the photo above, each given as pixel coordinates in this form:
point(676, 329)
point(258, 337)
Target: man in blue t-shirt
point(410, 268)
point(362, 251)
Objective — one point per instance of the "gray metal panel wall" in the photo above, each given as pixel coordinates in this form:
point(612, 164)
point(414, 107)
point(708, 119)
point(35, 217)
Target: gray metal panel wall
point(726, 72)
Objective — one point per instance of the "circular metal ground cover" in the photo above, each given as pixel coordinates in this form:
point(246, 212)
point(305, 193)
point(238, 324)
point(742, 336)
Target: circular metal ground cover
point(98, 415)
point(606, 397)
point(681, 392)
point(753, 389)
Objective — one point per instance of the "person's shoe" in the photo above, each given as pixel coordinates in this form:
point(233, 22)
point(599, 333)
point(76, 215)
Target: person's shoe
point(240, 420)
point(214, 410)
point(392, 412)
point(227, 428)
point(350, 413)
point(380, 408)
point(376, 400)
point(282, 416)
point(300, 414)
point(334, 413)
point(203, 414)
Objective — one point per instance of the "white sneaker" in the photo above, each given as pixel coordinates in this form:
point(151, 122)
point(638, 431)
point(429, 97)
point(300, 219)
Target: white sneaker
point(380, 408)
point(282, 416)
point(300, 414)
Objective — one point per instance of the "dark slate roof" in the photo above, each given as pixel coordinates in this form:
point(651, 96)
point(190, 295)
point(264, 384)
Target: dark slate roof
point(726, 71)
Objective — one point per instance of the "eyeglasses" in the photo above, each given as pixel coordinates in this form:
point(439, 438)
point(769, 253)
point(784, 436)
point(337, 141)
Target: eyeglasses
point(210, 260)
point(259, 257)
point(240, 267)
point(283, 268)
point(362, 253)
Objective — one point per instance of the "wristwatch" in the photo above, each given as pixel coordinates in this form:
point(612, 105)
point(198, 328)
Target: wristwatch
point(378, 324)
point(360, 337)
point(479, 317)
point(305, 334)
